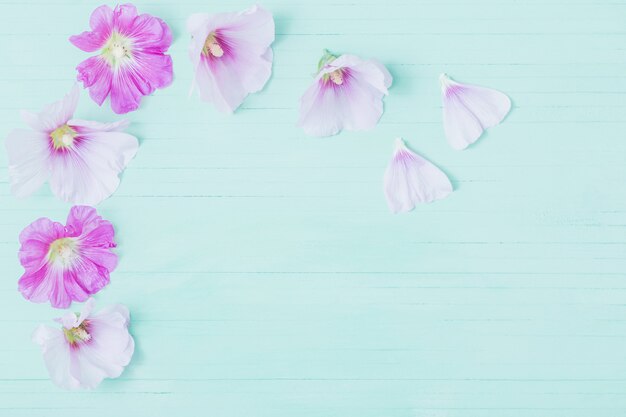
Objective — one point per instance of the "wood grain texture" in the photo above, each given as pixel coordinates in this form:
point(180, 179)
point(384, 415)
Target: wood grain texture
point(265, 275)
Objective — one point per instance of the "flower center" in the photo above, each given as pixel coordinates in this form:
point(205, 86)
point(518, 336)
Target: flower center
point(62, 137)
point(212, 47)
point(337, 76)
point(117, 49)
point(78, 334)
point(63, 250)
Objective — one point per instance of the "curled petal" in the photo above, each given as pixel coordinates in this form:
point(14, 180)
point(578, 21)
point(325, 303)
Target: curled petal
point(89, 347)
point(66, 263)
point(132, 61)
point(411, 179)
point(238, 60)
point(89, 172)
point(468, 110)
point(346, 94)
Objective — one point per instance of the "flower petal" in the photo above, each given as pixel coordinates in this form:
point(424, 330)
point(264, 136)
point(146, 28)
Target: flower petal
point(411, 179)
point(468, 110)
point(56, 355)
point(101, 23)
point(246, 65)
point(53, 115)
point(326, 108)
point(28, 152)
point(96, 75)
point(139, 78)
point(89, 173)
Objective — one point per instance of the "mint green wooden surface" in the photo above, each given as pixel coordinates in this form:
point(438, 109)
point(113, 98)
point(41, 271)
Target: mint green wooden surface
point(263, 271)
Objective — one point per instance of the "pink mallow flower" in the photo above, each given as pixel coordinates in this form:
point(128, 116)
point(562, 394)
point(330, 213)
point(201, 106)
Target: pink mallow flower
point(132, 61)
point(469, 109)
point(89, 346)
point(80, 159)
point(346, 94)
point(66, 263)
point(231, 55)
point(410, 179)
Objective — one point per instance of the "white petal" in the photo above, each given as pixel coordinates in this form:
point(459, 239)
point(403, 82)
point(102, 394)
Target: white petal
point(53, 115)
point(411, 179)
point(89, 172)
point(28, 153)
point(468, 110)
point(56, 355)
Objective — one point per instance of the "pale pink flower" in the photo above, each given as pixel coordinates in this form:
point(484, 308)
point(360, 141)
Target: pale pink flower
point(66, 263)
point(88, 347)
point(346, 94)
point(231, 55)
point(468, 110)
point(132, 61)
point(411, 179)
point(80, 159)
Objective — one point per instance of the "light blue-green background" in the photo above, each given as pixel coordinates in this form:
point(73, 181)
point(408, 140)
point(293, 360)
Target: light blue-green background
point(264, 273)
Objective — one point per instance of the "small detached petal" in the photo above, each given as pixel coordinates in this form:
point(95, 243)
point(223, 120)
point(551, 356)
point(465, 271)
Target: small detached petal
point(65, 263)
point(411, 179)
point(80, 159)
point(468, 110)
point(231, 55)
point(132, 62)
point(88, 347)
point(346, 94)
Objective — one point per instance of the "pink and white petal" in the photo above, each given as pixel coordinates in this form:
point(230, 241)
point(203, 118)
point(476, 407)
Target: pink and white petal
point(53, 115)
point(58, 113)
point(468, 110)
point(89, 41)
point(369, 71)
point(86, 369)
point(81, 220)
point(234, 78)
point(489, 106)
point(364, 104)
point(461, 127)
point(322, 110)
point(139, 78)
point(68, 320)
point(124, 16)
point(89, 173)
point(28, 152)
point(87, 126)
point(411, 179)
point(56, 355)
point(48, 283)
point(249, 32)
point(85, 278)
point(150, 34)
point(101, 19)
point(96, 75)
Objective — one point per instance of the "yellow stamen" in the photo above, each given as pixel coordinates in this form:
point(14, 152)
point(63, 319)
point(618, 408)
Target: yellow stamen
point(337, 77)
point(63, 250)
point(212, 47)
point(62, 137)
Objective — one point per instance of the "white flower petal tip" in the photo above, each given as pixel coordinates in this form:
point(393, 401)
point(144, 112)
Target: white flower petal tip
point(231, 55)
point(468, 110)
point(411, 180)
point(80, 159)
point(89, 346)
point(347, 93)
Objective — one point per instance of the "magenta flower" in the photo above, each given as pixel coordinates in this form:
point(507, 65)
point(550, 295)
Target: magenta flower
point(231, 55)
point(80, 159)
point(468, 110)
point(66, 263)
point(132, 61)
point(347, 94)
point(88, 347)
point(411, 179)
